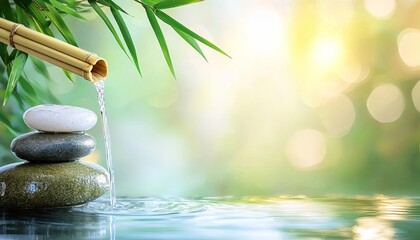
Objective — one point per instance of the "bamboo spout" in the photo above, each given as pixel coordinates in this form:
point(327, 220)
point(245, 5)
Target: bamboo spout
point(78, 61)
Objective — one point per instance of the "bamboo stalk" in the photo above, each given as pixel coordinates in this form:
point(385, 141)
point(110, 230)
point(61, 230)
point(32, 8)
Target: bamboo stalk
point(66, 56)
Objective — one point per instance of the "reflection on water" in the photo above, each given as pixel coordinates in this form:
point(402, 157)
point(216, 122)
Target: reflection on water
point(378, 217)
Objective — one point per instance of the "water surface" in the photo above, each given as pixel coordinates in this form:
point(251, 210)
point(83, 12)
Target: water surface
point(284, 217)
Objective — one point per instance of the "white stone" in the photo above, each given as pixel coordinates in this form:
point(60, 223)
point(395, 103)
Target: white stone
point(59, 118)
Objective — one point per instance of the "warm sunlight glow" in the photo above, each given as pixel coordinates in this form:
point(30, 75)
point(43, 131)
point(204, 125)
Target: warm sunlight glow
point(338, 115)
point(380, 8)
point(326, 52)
point(409, 47)
point(306, 148)
point(371, 228)
point(395, 209)
point(386, 103)
point(264, 31)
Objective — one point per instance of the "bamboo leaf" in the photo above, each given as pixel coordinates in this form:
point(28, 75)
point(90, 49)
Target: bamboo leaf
point(127, 37)
point(108, 23)
point(111, 4)
point(63, 7)
point(6, 10)
point(175, 24)
point(26, 86)
point(69, 75)
point(6, 124)
point(37, 16)
point(22, 17)
point(40, 67)
point(19, 100)
point(173, 3)
point(149, 3)
point(59, 23)
point(190, 40)
point(15, 73)
point(161, 38)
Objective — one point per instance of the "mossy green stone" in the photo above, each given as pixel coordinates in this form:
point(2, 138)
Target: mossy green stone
point(37, 185)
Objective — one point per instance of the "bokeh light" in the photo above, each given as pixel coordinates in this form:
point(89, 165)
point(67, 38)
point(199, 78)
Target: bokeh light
point(338, 115)
point(415, 94)
point(409, 48)
point(386, 103)
point(380, 8)
point(306, 148)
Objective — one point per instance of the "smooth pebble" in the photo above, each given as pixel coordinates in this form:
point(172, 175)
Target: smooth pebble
point(32, 185)
point(59, 118)
point(52, 147)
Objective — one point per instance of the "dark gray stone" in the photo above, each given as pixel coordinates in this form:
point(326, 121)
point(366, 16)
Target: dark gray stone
point(35, 185)
point(52, 147)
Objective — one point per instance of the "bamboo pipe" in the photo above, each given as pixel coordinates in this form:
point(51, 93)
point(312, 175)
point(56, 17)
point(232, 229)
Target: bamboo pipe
point(66, 56)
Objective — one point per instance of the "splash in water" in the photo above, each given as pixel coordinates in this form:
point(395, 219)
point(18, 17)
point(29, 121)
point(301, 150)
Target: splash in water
point(100, 89)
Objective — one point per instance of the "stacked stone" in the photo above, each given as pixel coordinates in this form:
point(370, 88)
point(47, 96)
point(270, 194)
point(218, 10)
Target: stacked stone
point(52, 175)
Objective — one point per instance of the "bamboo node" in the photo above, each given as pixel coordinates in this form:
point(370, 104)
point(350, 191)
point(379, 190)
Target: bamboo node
point(12, 33)
point(88, 56)
point(85, 75)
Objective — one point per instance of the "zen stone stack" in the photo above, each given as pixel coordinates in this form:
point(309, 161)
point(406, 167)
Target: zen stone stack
point(52, 175)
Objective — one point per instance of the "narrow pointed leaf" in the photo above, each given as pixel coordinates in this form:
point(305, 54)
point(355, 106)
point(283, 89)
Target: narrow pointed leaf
point(149, 3)
point(127, 37)
point(7, 10)
point(68, 75)
point(6, 124)
point(192, 42)
point(110, 3)
point(63, 7)
point(173, 3)
point(15, 73)
point(37, 16)
point(19, 100)
point(26, 86)
point(175, 24)
point(161, 39)
point(108, 23)
point(40, 67)
point(59, 23)
point(22, 17)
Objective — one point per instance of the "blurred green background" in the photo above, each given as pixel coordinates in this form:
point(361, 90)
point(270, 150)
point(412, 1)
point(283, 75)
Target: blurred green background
point(320, 97)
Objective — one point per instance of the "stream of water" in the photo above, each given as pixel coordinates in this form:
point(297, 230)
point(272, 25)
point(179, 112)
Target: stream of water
point(100, 89)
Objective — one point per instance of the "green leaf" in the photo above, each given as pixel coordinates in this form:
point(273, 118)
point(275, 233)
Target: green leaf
point(59, 23)
point(4, 55)
point(149, 3)
point(192, 42)
point(108, 23)
point(69, 75)
point(22, 17)
point(26, 86)
point(175, 24)
point(63, 7)
point(111, 4)
point(161, 38)
point(127, 37)
point(15, 73)
point(6, 10)
point(38, 18)
point(173, 3)
point(6, 124)
point(40, 67)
